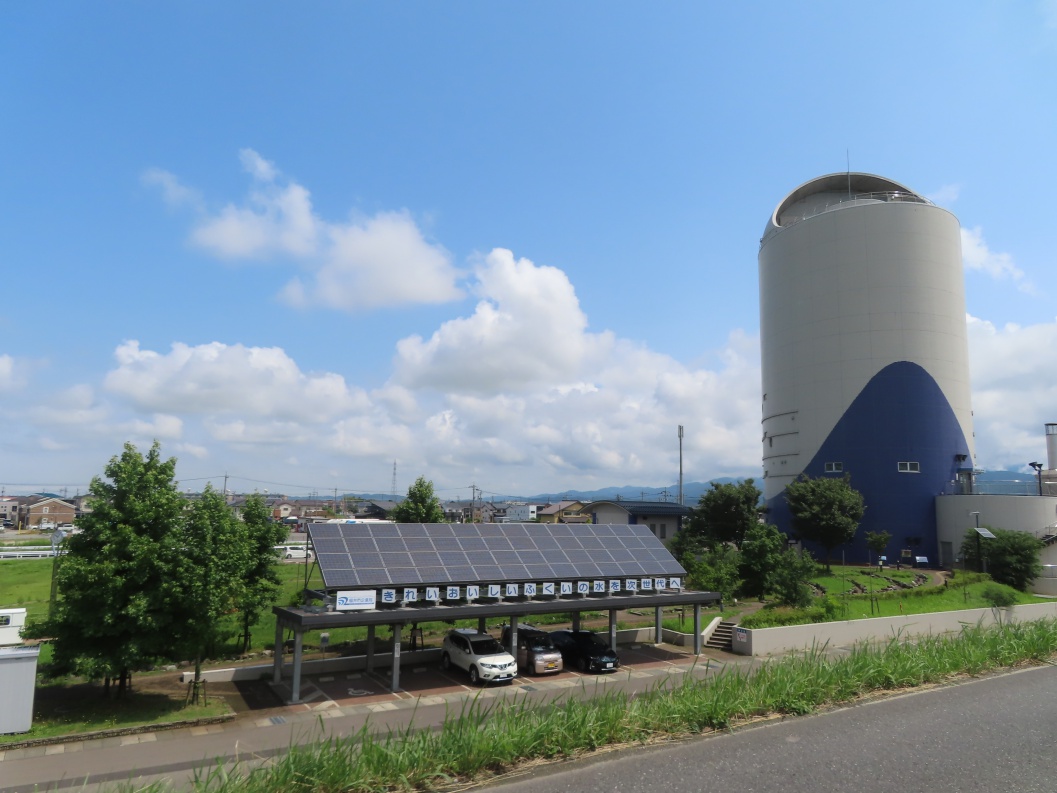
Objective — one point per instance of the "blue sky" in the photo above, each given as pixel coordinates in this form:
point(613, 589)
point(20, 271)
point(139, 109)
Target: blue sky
point(505, 244)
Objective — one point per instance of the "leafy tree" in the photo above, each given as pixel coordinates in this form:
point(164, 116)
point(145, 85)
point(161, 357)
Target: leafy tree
point(1012, 557)
point(211, 583)
point(420, 506)
point(262, 583)
point(760, 556)
point(117, 600)
point(715, 571)
point(790, 577)
point(826, 511)
point(877, 541)
point(724, 513)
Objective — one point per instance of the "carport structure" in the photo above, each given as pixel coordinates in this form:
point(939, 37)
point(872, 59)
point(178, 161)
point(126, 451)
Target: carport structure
point(399, 574)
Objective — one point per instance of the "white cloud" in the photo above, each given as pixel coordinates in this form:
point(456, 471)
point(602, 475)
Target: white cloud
point(528, 329)
point(364, 261)
point(379, 261)
point(259, 168)
point(279, 221)
point(11, 375)
point(978, 256)
point(1014, 390)
point(945, 195)
point(218, 379)
point(73, 407)
point(174, 192)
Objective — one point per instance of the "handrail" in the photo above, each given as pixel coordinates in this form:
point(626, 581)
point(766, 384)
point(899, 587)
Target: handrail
point(885, 196)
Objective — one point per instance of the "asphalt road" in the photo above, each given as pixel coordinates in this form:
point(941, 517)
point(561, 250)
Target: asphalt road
point(994, 734)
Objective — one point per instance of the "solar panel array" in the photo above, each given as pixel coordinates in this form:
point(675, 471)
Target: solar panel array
point(399, 554)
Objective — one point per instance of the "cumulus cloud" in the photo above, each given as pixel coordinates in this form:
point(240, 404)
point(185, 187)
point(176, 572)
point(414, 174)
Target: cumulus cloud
point(378, 261)
point(1014, 390)
point(218, 379)
point(361, 262)
point(528, 328)
point(978, 256)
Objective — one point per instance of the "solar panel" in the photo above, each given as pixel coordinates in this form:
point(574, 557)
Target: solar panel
point(418, 543)
point(387, 554)
point(329, 545)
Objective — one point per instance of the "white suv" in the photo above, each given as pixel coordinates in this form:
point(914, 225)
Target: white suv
point(479, 654)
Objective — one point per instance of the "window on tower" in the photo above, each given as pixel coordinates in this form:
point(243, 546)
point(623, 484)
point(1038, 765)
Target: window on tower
point(909, 468)
point(834, 468)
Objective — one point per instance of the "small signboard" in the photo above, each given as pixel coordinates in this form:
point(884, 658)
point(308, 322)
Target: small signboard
point(355, 600)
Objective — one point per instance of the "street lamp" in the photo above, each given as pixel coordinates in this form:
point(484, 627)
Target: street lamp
point(1038, 472)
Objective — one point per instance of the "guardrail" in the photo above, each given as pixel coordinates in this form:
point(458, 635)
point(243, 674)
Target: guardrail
point(28, 552)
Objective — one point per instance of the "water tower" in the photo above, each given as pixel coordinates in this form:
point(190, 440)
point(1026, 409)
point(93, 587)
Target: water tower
point(865, 358)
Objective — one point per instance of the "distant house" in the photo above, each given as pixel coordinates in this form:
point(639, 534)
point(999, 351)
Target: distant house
point(562, 512)
point(664, 518)
point(9, 508)
point(47, 512)
point(376, 509)
point(523, 513)
point(474, 511)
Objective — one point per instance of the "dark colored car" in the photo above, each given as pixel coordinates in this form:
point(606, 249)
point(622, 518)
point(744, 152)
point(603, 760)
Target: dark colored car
point(585, 650)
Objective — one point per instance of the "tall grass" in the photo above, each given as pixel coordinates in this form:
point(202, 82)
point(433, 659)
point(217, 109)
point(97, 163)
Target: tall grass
point(488, 737)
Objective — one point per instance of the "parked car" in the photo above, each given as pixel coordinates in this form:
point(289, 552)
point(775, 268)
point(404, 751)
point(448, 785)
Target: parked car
point(535, 651)
point(295, 551)
point(585, 650)
point(479, 654)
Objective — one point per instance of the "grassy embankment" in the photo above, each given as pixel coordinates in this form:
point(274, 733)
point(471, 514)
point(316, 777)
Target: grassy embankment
point(494, 736)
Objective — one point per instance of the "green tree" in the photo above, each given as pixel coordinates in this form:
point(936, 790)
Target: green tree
point(760, 555)
point(262, 583)
point(715, 570)
point(877, 541)
point(826, 511)
point(1011, 558)
point(420, 506)
point(211, 583)
point(117, 600)
point(724, 513)
point(790, 576)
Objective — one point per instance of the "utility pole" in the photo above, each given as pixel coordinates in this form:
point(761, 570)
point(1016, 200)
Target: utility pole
point(393, 489)
point(680, 465)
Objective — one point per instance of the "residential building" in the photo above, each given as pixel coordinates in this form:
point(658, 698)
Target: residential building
point(664, 518)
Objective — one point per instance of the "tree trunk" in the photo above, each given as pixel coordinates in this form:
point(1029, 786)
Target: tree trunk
point(197, 687)
point(122, 679)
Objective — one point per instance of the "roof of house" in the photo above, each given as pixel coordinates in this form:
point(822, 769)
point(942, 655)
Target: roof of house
point(639, 508)
point(561, 506)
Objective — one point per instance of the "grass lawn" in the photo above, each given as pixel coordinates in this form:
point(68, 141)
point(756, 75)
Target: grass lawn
point(26, 583)
point(63, 709)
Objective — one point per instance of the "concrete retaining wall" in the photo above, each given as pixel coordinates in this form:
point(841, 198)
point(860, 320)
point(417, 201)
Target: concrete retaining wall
point(771, 641)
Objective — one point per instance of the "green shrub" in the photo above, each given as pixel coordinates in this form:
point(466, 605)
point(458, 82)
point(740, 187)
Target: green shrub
point(998, 596)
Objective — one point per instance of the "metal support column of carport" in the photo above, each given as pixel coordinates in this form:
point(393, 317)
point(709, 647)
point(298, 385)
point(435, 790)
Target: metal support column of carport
point(301, 620)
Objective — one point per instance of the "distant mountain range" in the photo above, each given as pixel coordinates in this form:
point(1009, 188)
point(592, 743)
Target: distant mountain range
point(990, 482)
point(691, 493)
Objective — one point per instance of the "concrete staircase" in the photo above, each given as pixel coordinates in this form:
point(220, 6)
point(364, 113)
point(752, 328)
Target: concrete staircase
point(722, 637)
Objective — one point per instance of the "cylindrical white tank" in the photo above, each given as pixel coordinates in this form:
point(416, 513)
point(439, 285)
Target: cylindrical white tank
point(1051, 446)
point(865, 361)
